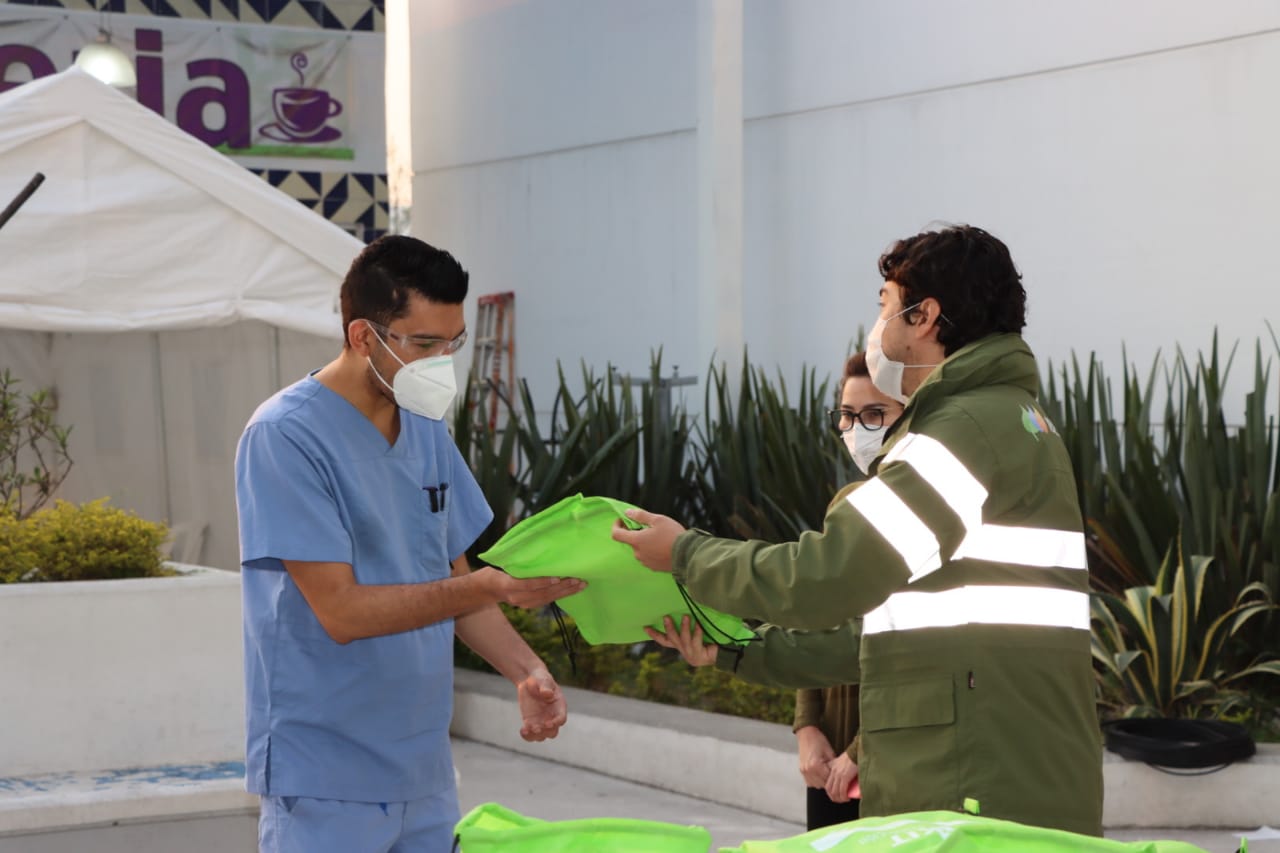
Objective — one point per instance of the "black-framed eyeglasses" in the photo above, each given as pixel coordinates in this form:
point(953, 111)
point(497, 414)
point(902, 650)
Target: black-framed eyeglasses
point(842, 420)
point(423, 343)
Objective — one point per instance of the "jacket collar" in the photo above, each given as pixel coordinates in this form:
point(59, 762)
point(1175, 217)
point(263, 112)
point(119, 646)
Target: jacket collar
point(1001, 359)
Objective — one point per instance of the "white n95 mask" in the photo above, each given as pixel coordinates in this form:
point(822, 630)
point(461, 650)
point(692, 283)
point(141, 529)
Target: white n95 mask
point(425, 387)
point(863, 445)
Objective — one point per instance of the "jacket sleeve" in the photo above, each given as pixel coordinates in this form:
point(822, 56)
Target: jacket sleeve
point(808, 708)
point(786, 658)
point(893, 529)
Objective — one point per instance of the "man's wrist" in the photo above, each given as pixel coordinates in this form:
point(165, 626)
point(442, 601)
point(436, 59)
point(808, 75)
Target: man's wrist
point(486, 579)
point(535, 669)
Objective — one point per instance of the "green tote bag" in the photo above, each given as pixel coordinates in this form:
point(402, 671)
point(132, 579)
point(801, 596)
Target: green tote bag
point(572, 539)
point(491, 828)
point(950, 832)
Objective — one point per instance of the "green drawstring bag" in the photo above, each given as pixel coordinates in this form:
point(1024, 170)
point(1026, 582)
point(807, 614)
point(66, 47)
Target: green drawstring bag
point(490, 828)
point(572, 539)
point(950, 832)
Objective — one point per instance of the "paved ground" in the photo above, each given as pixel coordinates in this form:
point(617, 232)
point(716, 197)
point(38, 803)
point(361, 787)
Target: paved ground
point(553, 791)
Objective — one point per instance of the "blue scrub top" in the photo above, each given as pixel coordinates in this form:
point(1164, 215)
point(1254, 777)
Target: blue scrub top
point(316, 481)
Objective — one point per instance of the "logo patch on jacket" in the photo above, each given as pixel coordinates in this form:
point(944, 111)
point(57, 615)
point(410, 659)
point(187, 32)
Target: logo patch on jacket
point(1035, 422)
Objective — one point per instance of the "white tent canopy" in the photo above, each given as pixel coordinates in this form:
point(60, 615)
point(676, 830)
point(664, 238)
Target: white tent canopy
point(142, 226)
point(162, 290)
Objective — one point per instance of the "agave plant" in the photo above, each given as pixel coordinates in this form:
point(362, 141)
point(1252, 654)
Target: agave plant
point(1228, 480)
point(663, 470)
point(1162, 649)
point(767, 468)
point(598, 440)
point(493, 454)
point(1129, 510)
point(1142, 482)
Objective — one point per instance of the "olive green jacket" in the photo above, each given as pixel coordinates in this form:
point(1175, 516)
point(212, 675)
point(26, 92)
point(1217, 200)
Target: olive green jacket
point(956, 581)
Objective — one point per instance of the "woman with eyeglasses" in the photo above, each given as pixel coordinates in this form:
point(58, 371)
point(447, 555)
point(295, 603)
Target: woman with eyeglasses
point(830, 715)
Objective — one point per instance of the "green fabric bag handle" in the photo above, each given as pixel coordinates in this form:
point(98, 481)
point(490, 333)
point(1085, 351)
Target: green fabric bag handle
point(573, 539)
point(491, 828)
point(950, 832)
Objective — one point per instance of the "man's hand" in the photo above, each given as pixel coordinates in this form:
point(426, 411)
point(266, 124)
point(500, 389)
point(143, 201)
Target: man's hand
point(689, 644)
point(816, 756)
point(530, 593)
point(652, 544)
point(843, 772)
point(542, 708)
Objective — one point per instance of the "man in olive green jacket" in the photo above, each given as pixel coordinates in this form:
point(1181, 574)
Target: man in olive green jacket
point(956, 575)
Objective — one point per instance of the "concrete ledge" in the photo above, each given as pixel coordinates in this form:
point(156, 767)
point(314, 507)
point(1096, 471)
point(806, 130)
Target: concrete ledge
point(1243, 794)
point(753, 765)
point(59, 801)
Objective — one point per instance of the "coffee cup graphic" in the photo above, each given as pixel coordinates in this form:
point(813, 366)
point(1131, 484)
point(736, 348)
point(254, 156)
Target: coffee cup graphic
point(302, 113)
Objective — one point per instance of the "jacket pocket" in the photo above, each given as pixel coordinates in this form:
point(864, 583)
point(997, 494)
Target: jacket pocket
point(908, 746)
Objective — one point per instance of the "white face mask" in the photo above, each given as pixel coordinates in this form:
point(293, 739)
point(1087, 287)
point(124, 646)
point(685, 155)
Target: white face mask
point(886, 374)
point(863, 445)
point(425, 387)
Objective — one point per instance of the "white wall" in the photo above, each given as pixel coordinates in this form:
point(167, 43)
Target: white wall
point(516, 109)
point(1124, 151)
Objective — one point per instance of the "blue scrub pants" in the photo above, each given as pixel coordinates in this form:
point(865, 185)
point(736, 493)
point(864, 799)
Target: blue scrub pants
point(306, 825)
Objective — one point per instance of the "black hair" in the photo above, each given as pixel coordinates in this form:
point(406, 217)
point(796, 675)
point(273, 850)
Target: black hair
point(971, 275)
point(382, 276)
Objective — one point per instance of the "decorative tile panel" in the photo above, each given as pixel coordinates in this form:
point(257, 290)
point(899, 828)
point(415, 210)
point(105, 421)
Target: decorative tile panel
point(358, 202)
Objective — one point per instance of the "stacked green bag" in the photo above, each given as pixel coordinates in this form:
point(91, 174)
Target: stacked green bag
point(490, 828)
point(573, 539)
point(950, 832)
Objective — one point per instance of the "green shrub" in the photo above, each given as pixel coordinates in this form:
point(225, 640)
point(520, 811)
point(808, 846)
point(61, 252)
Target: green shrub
point(69, 542)
point(33, 448)
point(17, 555)
point(662, 676)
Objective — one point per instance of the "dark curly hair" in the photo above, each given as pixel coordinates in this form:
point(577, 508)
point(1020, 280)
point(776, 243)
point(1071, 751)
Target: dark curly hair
point(969, 272)
point(378, 284)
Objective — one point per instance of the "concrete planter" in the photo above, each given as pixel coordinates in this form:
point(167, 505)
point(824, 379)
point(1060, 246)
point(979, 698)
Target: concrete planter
point(120, 673)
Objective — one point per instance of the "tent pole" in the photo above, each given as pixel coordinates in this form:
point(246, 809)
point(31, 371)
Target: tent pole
point(158, 379)
point(21, 198)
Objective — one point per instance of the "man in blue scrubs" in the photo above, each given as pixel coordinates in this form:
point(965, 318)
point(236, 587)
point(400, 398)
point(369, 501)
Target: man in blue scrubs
point(356, 510)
